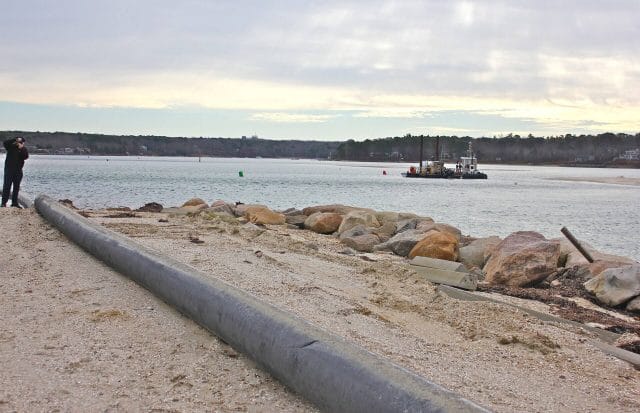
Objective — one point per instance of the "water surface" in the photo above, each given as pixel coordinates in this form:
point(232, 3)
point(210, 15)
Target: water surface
point(513, 198)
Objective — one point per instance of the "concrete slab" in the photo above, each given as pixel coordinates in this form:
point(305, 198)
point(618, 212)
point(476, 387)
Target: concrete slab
point(439, 264)
point(453, 278)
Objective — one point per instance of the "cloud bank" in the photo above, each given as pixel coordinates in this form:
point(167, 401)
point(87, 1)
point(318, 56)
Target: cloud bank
point(572, 65)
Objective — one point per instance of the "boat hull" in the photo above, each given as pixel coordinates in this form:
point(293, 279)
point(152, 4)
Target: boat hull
point(432, 176)
point(477, 175)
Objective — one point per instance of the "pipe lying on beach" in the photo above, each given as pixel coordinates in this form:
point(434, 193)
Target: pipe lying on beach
point(326, 370)
point(24, 200)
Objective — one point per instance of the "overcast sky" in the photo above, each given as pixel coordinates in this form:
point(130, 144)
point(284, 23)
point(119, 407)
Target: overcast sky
point(320, 69)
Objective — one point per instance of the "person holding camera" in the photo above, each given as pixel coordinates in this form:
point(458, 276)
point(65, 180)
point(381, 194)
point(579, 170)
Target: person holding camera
point(16, 155)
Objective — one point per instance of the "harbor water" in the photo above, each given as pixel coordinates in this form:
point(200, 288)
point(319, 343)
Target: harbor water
point(514, 198)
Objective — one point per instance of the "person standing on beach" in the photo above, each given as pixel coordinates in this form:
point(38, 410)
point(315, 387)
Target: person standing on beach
point(16, 155)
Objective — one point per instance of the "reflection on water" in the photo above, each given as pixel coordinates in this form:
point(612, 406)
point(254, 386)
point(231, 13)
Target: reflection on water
point(513, 198)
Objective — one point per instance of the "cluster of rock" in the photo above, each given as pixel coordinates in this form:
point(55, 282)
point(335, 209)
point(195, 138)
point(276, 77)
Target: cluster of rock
point(522, 259)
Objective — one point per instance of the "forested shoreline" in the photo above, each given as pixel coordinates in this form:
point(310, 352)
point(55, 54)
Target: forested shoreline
point(605, 149)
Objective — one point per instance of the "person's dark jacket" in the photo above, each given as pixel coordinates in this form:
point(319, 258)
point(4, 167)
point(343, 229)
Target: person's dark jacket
point(15, 157)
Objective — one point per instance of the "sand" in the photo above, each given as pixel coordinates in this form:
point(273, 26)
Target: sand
point(78, 337)
point(492, 354)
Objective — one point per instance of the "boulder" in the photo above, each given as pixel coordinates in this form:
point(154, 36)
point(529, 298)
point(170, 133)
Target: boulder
point(195, 202)
point(386, 231)
point(296, 220)
point(390, 216)
point(599, 266)
point(221, 207)
point(323, 222)
point(150, 207)
point(264, 216)
point(401, 243)
point(409, 215)
point(359, 217)
point(387, 216)
point(440, 245)
point(522, 259)
point(355, 232)
point(193, 209)
point(574, 257)
point(240, 210)
point(634, 305)
point(68, 203)
point(616, 286)
point(426, 225)
point(473, 254)
point(334, 208)
point(363, 243)
point(291, 211)
point(406, 224)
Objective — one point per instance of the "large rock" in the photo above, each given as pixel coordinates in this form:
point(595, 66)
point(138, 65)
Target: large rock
point(387, 216)
point(634, 305)
point(240, 210)
point(353, 218)
point(363, 243)
point(323, 222)
point(616, 285)
point(522, 259)
point(386, 231)
point(297, 220)
point(440, 245)
point(401, 243)
point(193, 209)
point(426, 225)
point(221, 207)
point(473, 254)
point(150, 207)
point(406, 224)
point(264, 216)
point(195, 202)
point(574, 257)
point(599, 266)
point(355, 232)
point(335, 208)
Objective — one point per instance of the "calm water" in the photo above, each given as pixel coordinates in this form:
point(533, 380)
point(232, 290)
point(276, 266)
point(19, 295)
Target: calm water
point(513, 198)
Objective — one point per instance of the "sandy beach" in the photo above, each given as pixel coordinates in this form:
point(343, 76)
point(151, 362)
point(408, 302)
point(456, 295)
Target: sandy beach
point(80, 337)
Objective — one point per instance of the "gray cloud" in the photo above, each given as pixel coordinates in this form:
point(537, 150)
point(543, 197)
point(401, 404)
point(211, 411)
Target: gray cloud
point(496, 48)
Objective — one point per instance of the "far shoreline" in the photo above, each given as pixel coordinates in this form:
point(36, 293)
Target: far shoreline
point(627, 165)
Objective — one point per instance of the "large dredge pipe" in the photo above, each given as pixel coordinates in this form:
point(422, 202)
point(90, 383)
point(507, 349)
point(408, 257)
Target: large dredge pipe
point(333, 374)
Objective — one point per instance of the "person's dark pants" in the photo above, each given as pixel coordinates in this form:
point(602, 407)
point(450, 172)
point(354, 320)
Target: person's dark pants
point(12, 177)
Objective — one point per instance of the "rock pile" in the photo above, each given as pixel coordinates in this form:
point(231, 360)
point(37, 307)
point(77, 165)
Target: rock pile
point(522, 259)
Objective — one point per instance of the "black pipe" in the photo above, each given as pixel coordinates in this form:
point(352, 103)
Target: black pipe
point(335, 375)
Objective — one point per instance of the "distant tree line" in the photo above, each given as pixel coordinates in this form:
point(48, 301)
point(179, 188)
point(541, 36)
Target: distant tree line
point(602, 149)
point(245, 147)
point(598, 150)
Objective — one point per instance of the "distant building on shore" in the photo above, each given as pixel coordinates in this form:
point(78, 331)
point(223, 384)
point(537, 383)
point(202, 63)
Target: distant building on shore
point(631, 155)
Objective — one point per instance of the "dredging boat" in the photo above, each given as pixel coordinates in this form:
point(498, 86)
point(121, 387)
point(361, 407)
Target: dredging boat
point(466, 167)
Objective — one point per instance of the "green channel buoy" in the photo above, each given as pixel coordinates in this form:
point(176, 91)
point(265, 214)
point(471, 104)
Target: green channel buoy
point(240, 174)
